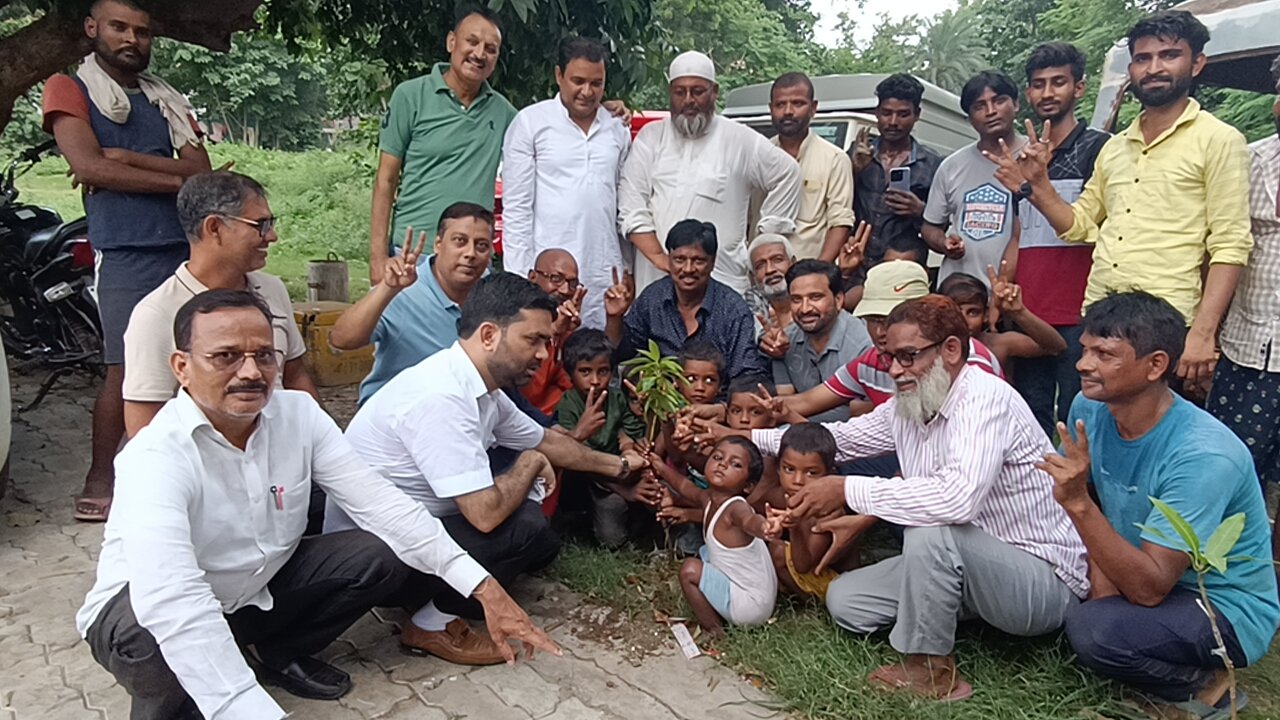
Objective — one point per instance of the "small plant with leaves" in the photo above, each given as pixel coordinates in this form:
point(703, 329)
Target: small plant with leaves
point(1206, 558)
point(657, 385)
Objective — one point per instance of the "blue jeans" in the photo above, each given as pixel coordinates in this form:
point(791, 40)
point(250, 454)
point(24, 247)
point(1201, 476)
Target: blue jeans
point(1164, 651)
point(1042, 381)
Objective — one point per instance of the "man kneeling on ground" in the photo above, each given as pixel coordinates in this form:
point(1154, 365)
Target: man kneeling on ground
point(204, 557)
point(427, 431)
point(1134, 441)
point(983, 537)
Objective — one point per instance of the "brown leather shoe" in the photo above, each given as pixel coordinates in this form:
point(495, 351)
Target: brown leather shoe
point(457, 643)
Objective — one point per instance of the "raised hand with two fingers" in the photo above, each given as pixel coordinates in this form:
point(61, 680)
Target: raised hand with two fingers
point(773, 341)
point(401, 271)
point(1070, 468)
point(618, 298)
point(854, 251)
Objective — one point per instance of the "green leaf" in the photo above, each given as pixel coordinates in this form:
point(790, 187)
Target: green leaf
point(1180, 526)
point(1224, 538)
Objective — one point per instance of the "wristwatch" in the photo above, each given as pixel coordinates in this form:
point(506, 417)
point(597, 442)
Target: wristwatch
point(1024, 191)
point(625, 470)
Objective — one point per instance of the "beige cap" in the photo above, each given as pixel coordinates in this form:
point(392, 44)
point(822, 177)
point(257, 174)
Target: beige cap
point(890, 284)
point(692, 64)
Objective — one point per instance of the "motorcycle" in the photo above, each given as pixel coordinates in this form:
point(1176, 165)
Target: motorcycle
point(48, 307)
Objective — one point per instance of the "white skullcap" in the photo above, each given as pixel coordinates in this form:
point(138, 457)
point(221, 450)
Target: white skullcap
point(770, 239)
point(692, 64)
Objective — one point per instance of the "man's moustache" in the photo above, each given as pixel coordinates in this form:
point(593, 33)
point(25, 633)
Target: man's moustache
point(258, 387)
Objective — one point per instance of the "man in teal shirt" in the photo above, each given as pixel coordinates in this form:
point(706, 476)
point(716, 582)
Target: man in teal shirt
point(1133, 440)
point(441, 139)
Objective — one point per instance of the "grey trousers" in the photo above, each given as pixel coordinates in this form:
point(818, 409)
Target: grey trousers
point(945, 575)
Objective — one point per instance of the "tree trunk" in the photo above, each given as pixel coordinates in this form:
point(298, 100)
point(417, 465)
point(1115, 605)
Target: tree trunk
point(56, 41)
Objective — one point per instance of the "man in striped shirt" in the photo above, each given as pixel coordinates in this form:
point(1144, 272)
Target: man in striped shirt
point(984, 538)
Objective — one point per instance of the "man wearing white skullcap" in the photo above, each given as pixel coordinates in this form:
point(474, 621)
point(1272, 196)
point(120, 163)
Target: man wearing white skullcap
point(702, 166)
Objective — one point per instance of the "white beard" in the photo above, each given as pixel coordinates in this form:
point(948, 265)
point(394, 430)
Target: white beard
point(694, 127)
point(774, 290)
point(923, 403)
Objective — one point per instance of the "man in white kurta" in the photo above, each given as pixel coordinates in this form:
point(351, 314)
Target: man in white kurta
point(700, 165)
point(560, 164)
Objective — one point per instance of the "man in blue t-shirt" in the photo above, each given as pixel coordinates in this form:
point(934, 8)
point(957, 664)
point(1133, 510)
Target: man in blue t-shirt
point(1134, 440)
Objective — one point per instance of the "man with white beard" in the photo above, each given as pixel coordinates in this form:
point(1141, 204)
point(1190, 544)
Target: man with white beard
point(770, 256)
point(983, 536)
point(699, 165)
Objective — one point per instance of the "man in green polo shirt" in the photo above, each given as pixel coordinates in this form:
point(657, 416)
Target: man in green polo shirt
point(441, 139)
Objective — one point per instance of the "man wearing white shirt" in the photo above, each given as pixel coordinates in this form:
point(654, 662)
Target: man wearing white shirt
point(560, 164)
point(699, 165)
point(984, 538)
point(203, 554)
point(427, 431)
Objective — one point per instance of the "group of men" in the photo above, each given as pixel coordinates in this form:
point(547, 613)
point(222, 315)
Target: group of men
point(224, 567)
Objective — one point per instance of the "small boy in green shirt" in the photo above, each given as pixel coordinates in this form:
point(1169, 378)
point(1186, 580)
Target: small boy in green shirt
point(600, 417)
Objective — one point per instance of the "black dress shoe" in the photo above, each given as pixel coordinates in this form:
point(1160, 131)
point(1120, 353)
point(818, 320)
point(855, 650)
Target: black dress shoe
point(306, 677)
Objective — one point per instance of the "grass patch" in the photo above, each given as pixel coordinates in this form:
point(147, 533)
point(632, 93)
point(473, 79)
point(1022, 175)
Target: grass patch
point(322, 199)
point(817, 670)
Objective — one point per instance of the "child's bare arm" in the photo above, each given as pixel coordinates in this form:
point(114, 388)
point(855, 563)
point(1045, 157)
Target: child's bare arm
point(807, 546)
point(766, 490)
point(684, 491)
point(741, 516)
point(1038, 337)
point(625, 443)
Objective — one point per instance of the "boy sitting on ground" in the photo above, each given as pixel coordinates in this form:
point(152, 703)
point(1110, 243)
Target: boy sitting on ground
point(1037, 339)
point(807, 452)
point(733, 577)
point(601, 418)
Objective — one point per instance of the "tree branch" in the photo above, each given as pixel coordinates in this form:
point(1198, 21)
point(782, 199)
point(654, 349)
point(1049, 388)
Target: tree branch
point(56, 40)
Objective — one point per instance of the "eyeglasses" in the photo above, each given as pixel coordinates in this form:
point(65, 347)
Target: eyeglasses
point(264, 226)
point(697, 263)
point(232, 360)
point(905, 358)
point(557, 280)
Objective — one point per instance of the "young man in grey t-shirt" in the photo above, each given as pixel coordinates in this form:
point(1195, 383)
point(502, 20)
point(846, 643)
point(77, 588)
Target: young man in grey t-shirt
point(970, 218)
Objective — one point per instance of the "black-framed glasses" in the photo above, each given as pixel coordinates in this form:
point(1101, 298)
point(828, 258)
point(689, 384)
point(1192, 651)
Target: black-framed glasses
point(571, 284)
point(264, 226)
point(905, 358)
point(232, 360)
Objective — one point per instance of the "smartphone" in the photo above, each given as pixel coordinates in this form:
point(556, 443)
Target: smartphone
point(900, 179)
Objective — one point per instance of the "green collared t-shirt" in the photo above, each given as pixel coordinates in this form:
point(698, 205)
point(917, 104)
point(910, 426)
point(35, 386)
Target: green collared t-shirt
point(448, 153)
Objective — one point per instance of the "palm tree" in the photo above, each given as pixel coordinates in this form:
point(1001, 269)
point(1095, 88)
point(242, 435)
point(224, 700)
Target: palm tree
point(950, 50)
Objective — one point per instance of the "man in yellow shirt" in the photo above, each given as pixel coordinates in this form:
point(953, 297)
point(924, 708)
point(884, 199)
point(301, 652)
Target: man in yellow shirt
point(826, 202)
point(1167, 192)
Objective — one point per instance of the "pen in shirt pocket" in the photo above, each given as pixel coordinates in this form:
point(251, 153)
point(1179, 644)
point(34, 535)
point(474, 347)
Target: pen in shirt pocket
point(277, 492)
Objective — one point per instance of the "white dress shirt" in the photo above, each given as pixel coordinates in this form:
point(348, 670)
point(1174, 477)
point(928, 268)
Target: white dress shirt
point(428, 431)
point(198, 528)
point(972, 464)
point(560, 190)
point(668, 178)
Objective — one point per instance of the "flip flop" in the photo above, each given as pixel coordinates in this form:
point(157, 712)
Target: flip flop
point(89, 509)
point(962, 690)
point(1189, 709)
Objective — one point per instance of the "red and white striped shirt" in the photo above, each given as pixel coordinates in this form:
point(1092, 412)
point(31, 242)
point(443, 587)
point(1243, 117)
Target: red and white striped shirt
point(972, 464)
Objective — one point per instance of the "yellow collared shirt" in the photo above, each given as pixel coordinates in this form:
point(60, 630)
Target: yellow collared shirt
point(827, 197)
point(1155, 210)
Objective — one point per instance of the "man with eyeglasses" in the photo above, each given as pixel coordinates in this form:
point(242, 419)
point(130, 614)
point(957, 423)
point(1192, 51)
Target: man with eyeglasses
point(206, 589)
point(983, 537)
point(555, 272)
point(229, 225)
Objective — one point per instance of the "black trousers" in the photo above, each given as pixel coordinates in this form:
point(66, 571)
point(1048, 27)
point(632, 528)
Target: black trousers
point(523, 543)
point(326, 586)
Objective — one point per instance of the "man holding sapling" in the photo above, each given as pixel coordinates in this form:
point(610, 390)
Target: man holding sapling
point(1136, 441)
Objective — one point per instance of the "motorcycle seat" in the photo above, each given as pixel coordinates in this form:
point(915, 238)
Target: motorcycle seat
point(38, 242)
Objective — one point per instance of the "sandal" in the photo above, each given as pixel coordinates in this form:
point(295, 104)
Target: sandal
point(89, 509)
point(1191, 709)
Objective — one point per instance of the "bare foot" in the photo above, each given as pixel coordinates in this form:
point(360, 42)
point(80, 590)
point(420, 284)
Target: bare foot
point(929, 676)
